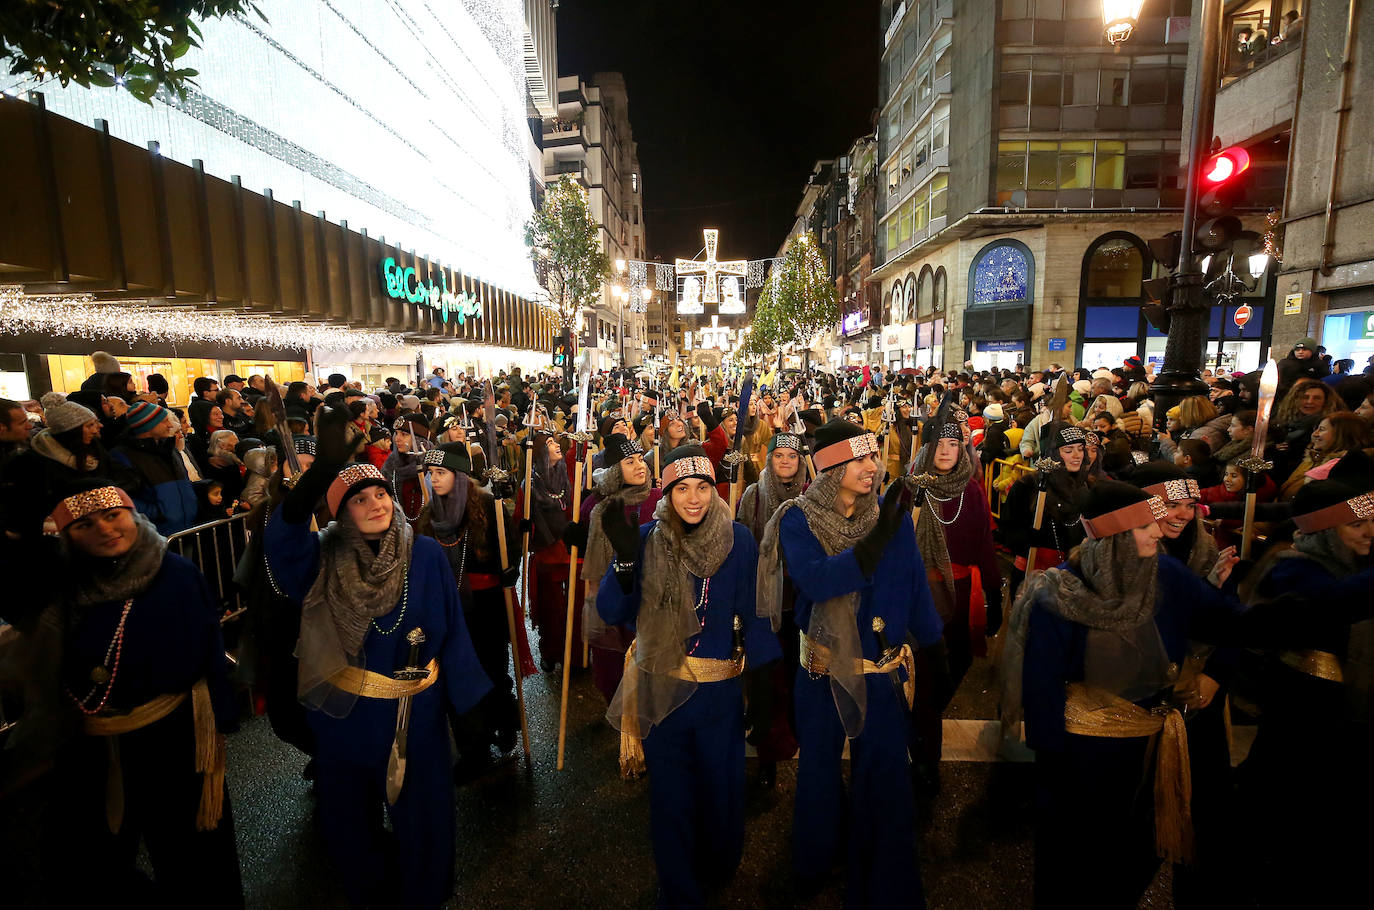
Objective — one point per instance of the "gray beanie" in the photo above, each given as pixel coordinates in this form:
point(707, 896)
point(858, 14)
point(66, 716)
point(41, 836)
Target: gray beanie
point(61, 415)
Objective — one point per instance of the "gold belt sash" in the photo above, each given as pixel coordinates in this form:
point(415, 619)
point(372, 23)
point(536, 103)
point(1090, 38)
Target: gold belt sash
point(1321, 664)
point(816, 660)
point(209, 752)
point(1093, 712)
point(376, 685)
point(698, 669)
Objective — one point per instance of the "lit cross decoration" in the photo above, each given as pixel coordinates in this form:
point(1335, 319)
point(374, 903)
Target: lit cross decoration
point(711, 268)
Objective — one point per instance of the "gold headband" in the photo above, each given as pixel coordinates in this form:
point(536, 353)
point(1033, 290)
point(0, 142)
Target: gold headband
point(75, 508)
point(1135, 515)
point(1174, 489)
point(691, 466)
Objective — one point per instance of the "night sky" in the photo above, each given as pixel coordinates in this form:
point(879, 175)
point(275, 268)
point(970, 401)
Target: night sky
point(731, 104)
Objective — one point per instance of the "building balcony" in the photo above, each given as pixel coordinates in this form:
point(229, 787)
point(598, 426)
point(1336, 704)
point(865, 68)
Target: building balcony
point(919, 175)
point(1258, 96)
point(575, 169)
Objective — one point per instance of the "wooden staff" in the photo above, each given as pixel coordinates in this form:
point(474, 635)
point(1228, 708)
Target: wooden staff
point(572, 602)
point(1043, 467)
point(510, 623)
point(525, 544)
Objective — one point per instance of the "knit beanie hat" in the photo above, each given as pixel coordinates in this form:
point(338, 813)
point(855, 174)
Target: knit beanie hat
point(451, 455)
point(994, 413)
point(785, 441)
point(105, 363)
point(619, 447)
point(61, 415)
point(144, 416)
point(351, 480)
point(687, 461)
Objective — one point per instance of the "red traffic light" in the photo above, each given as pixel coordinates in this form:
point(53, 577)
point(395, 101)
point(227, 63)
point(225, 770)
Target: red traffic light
point(1226, 164)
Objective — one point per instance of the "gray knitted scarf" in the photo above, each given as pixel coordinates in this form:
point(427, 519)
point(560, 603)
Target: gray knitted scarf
point(97, 581)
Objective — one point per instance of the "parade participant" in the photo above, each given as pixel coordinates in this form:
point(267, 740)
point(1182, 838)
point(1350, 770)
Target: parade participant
point(611, 423)
point(1065, 485)
point(625, 477)
point(902, 441)
point(672, 432)
point(128, 652)
point(781, 481)
point(686, 581)
point(450, 428)
point(462, 517)
point(954, 535)
point(550, 506)
point(402, 466)
point(1092, 662)
point(380, 617)
point(861, 590)
point(1307, 764)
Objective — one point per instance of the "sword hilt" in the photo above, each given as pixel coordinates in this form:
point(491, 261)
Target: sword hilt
point(884, 648)
point(737, 647)
point(413, 670)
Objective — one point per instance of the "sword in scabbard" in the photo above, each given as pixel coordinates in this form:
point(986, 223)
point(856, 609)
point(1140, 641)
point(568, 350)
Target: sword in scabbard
point(888, 655)
point(396, 764)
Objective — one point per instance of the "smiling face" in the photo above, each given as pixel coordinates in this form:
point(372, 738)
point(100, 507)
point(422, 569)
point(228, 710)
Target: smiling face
point(554, 449)
point(729, 425)
point(371, 510)
point(946, 455)
point(690, 499)
point(634, 469)
point(441, 479)
point(859, 475)
point(1321, 436)
point(1357, 535)
point(1072, 455)
point(784, 464)
point(1178, 517)
point(106, 534)
point(216, 420)
point(1313, 400)
point(1233, 479)
point(1147, 539)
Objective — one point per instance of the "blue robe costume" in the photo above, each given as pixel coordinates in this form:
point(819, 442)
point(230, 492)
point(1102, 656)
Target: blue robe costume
point(352, 751)
point(171, 641)
point(880, 816)
point(1094, 840)
point(695, 755)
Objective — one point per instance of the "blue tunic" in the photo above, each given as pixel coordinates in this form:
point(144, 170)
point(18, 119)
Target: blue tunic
point(696, 754)
point(353, 751)
point(1097, 784)
point(880, 812)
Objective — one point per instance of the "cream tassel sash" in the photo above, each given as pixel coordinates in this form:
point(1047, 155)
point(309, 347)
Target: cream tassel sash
point(632, 763)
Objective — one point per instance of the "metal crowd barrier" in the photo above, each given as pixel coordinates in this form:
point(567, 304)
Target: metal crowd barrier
point(992, 471)
point(216, 548)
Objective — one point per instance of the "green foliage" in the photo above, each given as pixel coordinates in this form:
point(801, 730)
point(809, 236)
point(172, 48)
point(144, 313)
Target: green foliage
point(798, 300)
point(562, 237)
point(134, 43)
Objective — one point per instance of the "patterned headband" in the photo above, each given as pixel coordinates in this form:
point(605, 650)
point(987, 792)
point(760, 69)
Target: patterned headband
point(838, 453)
point(1175, 489)
point(1071, 436)
point(349, 477)
point(691, 466)
point(630, 447)
point(1356, 508)
point(75, 508)
point(1135, 515)
point(951, 431)
point(785, 441)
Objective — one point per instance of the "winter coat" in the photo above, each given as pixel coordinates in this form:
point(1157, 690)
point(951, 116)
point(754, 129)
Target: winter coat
point(150, 470)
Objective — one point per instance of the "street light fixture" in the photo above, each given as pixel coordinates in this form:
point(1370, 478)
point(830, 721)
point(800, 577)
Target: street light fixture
point(620, 266)
point(1119, 19)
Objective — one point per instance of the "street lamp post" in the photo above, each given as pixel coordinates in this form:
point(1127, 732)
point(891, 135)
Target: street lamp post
point(1188, 299)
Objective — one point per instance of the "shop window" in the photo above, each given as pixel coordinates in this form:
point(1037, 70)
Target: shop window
point(1115, 269)
point(1001, 273)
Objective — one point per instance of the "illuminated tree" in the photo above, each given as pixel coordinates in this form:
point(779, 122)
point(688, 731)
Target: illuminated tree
point(797, 301)
point(562, 237)
point(134, 43)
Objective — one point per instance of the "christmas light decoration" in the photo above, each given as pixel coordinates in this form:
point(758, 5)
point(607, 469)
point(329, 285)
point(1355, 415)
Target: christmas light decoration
point(82, 316)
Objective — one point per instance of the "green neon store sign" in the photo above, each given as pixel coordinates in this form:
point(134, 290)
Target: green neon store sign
point(406, 284)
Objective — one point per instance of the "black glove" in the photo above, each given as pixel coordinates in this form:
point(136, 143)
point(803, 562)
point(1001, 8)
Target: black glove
point(758, 708)
point(510, 576)
point(894, 509)
point(575, 535)
point(707, 416)
point(624, 537)
point(526, 525)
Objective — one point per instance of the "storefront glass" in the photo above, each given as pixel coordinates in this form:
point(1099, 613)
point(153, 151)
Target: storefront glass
point(1350, 334)
point(68, 371)
point(997, 355)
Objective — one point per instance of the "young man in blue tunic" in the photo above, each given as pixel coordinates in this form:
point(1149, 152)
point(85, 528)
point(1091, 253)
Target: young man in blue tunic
point(861, 593)
point(685, 582)
point(381, 623)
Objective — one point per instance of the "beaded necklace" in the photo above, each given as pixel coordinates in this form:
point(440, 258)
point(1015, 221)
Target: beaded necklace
point(105, 674)
point(701, 613)
point(405, 602)
point(957, 512)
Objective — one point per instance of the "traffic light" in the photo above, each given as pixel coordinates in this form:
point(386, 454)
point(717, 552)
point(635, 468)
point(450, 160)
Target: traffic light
point(1165, 251)
point(562, 349)
point(1223, 180)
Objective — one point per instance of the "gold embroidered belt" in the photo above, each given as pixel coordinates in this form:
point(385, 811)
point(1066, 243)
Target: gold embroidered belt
point(709, 669)
point(1094, 712)
point(816, 660)
point(209, 752)
point(375, 685)
point(1321, 664)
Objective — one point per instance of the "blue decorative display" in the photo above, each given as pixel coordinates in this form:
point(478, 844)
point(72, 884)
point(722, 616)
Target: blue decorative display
point(1001, 276)
point(1059, 344)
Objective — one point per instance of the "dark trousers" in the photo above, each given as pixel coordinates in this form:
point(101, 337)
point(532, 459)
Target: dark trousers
point(696, 794)
point(878, 815)
point(413, 865)
point(92, 866)
point(485, 615)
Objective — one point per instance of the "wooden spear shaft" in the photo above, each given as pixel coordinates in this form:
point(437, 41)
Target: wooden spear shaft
point(568, 628)
point(510, 623)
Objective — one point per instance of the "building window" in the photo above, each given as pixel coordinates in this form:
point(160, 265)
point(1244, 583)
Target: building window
point(941, 288)
point(634, 186)
point(909, 299)
point(1001, 274)
point(1115, 268)
point(925, 293)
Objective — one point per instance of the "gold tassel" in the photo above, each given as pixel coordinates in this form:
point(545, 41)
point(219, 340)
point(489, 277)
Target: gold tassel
point(632, 763)
point(1173, 793)
point(908, 660)
point(210, 758)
